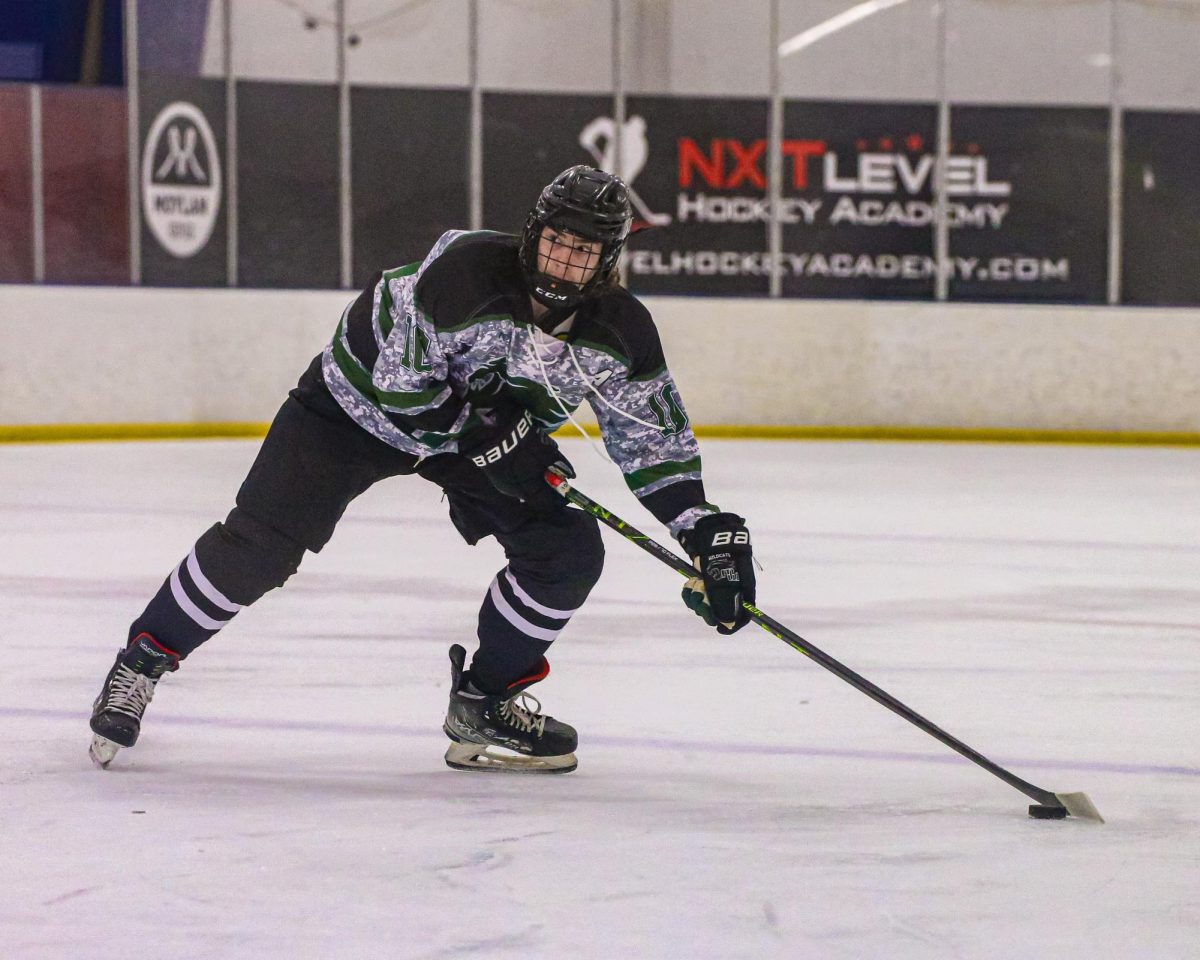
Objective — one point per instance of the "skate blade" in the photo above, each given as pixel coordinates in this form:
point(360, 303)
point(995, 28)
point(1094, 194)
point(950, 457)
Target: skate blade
point(476, 757)
point(102, 751)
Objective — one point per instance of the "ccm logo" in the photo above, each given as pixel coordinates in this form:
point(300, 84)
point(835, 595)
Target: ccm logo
point(727, 537)
point(508, 444)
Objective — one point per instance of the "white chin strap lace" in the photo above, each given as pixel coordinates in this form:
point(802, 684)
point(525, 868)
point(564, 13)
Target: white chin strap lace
point(537, 357)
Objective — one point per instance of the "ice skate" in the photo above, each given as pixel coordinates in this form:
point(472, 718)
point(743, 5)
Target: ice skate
point(504, 732)
point(129, 687)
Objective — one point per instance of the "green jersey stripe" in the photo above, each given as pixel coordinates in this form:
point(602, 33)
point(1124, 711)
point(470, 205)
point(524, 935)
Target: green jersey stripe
point(647, 475)
point(403, 401)
point(405, 271)
point(384, 321)
point(352, 370)
point(649, 374)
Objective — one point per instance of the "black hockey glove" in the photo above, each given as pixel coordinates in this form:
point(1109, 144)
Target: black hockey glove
point(719, 545)
point(515, 459)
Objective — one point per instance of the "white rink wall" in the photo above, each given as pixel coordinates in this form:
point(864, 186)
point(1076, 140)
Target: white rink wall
point(86, 355)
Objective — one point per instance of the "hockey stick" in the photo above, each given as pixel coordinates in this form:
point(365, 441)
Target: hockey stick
point(1049, 806)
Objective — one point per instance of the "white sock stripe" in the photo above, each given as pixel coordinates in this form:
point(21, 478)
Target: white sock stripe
point(533, 604)
point(186, 605)
point(518, 621)
point(206, 587)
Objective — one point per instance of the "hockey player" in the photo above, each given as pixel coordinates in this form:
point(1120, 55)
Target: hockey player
point(457, 368)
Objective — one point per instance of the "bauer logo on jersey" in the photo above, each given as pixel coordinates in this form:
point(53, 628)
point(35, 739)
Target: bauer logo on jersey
point(181, 179)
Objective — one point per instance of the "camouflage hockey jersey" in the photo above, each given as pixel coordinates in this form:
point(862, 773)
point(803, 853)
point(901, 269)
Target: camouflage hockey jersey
point(420, 360)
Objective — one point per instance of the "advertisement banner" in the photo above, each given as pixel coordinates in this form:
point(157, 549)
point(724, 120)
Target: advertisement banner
point(86, 201)
point(857, 200)
point(182, 188)
point(688, 163)
point(289, 185)
point(1027, 189)
point(1160, 240)
point(16, 187)
point(696, 168)
point(1030, 204)
point(410, 179)
point(527, 139)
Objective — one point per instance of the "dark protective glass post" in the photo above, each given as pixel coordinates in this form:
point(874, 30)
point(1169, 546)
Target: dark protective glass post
point(1115, 151)
point(475, 156)
point(618, 104)
point(345, 215)
point(231, 179)
point(132, 87)
point(941, 223)
point(775, 158)
point(1158, 101)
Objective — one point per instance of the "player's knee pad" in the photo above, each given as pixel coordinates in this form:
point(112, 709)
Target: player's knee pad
point(589, 545)
point(558, 560)
point(579, 557)
point(244, 558)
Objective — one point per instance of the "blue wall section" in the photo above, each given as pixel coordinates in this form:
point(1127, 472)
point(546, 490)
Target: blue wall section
point(46, 40)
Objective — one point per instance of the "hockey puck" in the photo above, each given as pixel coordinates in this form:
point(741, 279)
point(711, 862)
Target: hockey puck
point(1041, 811)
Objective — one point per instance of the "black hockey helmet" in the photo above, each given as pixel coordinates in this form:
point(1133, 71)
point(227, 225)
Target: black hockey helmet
point(588, 203)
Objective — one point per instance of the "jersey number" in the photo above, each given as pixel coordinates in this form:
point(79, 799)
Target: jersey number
point(416, 348)
point(668, 412)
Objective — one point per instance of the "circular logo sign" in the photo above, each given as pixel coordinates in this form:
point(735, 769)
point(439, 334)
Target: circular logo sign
point(181, 179)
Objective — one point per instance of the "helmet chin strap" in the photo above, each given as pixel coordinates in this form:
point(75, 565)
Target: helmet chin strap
point(554, 315)
point(554, 292)
point(558, 306)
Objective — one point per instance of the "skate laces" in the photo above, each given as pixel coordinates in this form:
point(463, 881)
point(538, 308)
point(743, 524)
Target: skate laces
point(525, 715)
point(129, 692)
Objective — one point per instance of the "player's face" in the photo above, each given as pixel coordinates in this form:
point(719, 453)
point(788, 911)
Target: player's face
point(566, 256)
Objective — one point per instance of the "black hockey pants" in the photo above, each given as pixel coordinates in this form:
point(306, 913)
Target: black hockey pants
point(313, 462)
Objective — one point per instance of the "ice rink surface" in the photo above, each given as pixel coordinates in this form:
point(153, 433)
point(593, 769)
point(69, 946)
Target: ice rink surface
point(288, 797)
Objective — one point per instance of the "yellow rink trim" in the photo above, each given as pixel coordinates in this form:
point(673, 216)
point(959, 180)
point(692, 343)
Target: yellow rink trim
point(956, 435)
point(85, 432)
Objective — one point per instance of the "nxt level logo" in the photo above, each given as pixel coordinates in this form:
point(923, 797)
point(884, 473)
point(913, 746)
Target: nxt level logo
point(876, 187)
point(181, 179)
point(730, 163)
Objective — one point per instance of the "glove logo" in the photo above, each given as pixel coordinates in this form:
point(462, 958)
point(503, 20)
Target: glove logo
point(508, 444)
point(727, 537)
point(723, 572)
